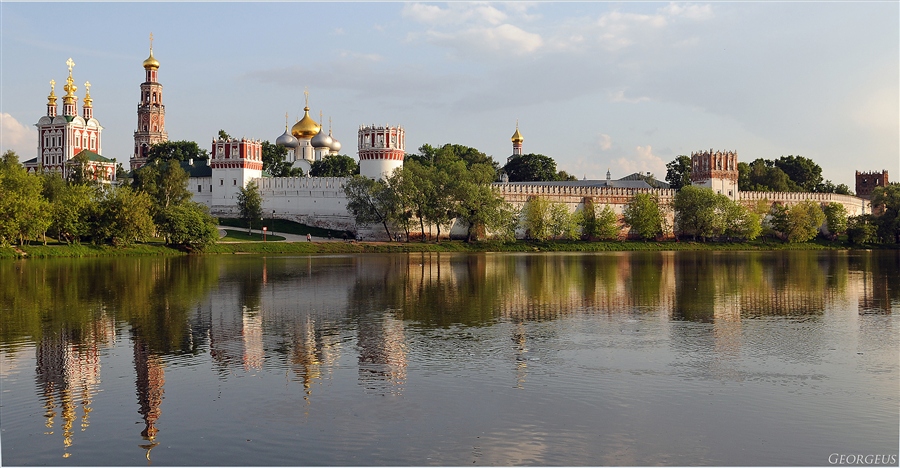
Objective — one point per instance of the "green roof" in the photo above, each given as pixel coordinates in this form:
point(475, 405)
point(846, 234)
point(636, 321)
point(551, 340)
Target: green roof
point(92, 156)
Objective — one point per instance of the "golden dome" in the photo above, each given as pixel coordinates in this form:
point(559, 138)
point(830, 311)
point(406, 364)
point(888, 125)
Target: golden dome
point(151, 62)
point(517, 137)
point(305, 128)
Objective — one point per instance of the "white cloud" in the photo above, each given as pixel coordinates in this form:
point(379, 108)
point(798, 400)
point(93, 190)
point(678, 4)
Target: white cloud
point(17, 137)
point(604, 142)
point(643, 160)
point(619, 96)
point(455, 13)
point(689, 11)
point(505, 38)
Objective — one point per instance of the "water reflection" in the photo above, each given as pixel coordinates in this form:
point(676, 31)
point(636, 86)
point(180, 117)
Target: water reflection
point(303, 315)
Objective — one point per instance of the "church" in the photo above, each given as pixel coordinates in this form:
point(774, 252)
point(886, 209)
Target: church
point(62, 139)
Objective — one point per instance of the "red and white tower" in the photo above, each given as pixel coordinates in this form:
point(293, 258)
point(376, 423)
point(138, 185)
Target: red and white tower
point(717, 170)
point(234, 163)
point(151, 113)
point(381, 150)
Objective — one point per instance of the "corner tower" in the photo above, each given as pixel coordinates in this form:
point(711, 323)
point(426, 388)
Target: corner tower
point(381, 150)
point(716, 170)
point(151, 113)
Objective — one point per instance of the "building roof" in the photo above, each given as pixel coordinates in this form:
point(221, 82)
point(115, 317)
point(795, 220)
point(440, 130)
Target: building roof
point(622, 183)
point(648, 179)
point(92, 156)
point(197, 168)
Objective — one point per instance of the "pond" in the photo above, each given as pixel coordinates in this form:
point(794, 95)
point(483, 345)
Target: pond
point(629, 358)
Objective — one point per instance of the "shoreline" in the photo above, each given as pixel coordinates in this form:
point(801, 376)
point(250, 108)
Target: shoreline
point(448, 246)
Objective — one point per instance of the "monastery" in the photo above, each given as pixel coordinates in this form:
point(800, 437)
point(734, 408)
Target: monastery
point(320, 201)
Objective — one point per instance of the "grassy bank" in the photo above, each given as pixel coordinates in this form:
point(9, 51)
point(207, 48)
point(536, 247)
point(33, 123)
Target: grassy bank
point(340, 247)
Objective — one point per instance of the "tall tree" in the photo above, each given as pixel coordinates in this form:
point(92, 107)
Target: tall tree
point(165, 181)
point(531, 168)
point(370, 201)
point(338, 165)
point(806, 174)
point(798, 223)
point(696, 212)
point(178, 150)
point(887, 201)
point(678, 172)
point(835, 218)
point(275, 161)
point(123, 216)
point(24, 212)
point(189, 225)
point(249, 202)
point(598, 224)
point(644, 215)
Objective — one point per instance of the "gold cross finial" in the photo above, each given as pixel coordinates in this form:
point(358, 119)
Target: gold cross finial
point(517, 124)
point(320, 116)
point(52, 86)
point(306, 95)
point(285, 121)
point(71, 64)
point(151, 42)
point(87, 86)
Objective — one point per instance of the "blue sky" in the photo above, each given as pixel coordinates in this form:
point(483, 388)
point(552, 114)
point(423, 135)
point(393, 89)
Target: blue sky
point(596, 86)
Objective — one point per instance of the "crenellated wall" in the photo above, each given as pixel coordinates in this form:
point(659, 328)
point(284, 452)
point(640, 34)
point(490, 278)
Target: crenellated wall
point(855, 206)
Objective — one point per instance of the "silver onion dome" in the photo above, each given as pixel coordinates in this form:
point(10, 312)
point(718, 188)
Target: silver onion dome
point(321, 140)
point(287, 140)
point(335, 145)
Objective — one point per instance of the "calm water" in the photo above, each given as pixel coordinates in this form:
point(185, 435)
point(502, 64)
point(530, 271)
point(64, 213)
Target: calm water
point(772, 358)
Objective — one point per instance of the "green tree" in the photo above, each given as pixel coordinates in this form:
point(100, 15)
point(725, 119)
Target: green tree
point(223, 135)
point(803, 172)
point(165, 181)
point(530, 168)
point(564, 224)
point(861, 229)
point(275, 161)
point(763, 176)
point(249, 202)
point(644, 215)
point(565, 176)
point(370, 201)
point(601, 224)
point(696, 212)
point(72, 208)
point(738, 221)
point(798, 223)
point(338, 165)
point(678, 172)
point(473, 200)
point(177, 150)
point(536, 218)
point(430, 155)
point(123, 216)
point(886, 201)
point(835, 218)
point(79, 170)
point(24, 212)
point(190, 226)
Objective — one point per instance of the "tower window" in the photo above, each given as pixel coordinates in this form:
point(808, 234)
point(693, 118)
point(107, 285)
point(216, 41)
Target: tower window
point(199, 188)
point(235, 182)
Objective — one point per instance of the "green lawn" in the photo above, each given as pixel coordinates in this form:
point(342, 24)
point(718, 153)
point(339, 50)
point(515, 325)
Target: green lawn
point(233, 235)
point(287, 227)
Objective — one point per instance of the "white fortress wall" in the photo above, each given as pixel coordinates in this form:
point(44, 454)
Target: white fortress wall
point(855, 206)
point(315, 201)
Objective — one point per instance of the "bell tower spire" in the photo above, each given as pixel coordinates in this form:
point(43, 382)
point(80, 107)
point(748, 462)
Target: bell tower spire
point(151, 113)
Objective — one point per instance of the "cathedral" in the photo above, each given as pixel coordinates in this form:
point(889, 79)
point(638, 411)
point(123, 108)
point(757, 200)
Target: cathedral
point(63, 138)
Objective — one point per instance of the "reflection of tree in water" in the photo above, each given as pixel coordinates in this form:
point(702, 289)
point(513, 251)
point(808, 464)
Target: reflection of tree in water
point(880, 287)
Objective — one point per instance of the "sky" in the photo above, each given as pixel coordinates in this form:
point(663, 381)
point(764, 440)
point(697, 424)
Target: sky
point(623, 87)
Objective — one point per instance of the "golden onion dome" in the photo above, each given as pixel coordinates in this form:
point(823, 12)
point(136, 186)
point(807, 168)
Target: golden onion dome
point(517, 137)
point(151, 62)
point(305, 128)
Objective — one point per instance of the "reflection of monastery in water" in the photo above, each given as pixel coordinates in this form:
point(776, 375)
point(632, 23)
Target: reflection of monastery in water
point(311, 316)
point(68, 374)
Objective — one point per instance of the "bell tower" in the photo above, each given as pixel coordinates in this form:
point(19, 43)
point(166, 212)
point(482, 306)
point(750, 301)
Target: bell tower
point(151, 113)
